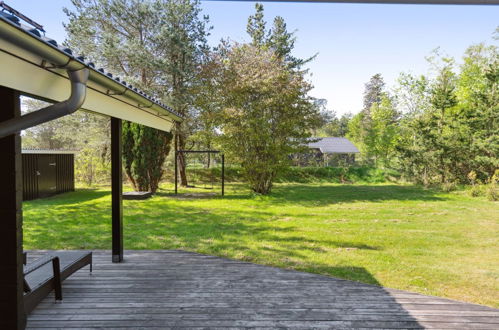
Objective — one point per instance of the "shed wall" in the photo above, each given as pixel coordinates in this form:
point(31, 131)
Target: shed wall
point(41, 179)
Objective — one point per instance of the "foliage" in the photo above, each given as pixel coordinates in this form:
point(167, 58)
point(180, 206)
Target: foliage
point(276, 39)
point(384, 233)
point(362, 174)
point(254, 101)
point(376, 131)
point(449, 126)
point(265, 113)
point(448, 186)
point(437, 128)
point(144, 153)
point(374, 91)
point(155, 44)
point(476, 191)
point(361, 126)
point(335, 126)
point(492, 192)
point(91, 167)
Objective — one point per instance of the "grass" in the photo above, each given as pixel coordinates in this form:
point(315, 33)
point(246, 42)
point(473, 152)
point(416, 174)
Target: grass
point(399, 236)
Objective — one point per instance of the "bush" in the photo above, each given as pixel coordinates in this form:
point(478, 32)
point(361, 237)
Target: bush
point(476, 191)
point(364, 174)
point(492, 192)
point(448, 186)
point(338, 174)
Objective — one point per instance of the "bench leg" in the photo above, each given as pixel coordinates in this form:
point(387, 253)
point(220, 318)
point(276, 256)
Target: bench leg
point(57, 278)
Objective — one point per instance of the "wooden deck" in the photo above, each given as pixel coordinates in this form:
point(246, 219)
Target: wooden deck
point(177, 289)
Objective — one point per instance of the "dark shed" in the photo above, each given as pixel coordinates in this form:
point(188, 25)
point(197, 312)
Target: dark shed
point(47, 172)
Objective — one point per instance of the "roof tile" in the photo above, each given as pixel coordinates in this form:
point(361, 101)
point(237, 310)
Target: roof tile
point(334, 145)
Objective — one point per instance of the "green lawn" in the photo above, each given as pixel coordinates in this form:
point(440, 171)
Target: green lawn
point(405, 237)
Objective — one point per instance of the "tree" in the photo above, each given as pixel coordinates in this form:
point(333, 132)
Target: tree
point(477, 94)
point(412, 95)
point(256, 27)
point(362, 128)
point(442, 99)
point(449, 124)
point(140, 147)
point(384, 131)
point(335, 126)
point(186, 50)
point(277, 38)
point(155, 44)
point(362, 134)
point(374, 90)
point(378, 140)
point(265, 112)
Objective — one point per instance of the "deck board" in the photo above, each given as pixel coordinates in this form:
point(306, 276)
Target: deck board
point(178, 289)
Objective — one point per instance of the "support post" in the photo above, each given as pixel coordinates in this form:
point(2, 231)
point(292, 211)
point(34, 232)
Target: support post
point(117, 189)
point(223, 174)
point(11, 274)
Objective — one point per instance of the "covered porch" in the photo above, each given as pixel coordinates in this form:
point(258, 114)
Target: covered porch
point(171, 288)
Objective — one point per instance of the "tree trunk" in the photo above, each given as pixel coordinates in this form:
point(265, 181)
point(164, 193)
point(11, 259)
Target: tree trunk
point(208, 159)
point(180, 142)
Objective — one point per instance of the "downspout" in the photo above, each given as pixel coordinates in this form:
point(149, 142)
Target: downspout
point(78, 92)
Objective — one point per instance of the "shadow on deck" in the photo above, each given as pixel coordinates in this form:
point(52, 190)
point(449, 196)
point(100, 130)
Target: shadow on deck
point(166, 289)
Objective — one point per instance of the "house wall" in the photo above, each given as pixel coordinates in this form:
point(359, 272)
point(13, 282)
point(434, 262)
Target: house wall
point(316, 158)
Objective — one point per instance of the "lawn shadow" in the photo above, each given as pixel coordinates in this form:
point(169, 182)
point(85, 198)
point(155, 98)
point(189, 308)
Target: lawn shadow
point(319, 195)
point(77, 220)
point(78, 196)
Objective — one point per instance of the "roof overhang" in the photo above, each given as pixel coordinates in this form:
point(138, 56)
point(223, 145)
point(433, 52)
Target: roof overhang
point(37, 68)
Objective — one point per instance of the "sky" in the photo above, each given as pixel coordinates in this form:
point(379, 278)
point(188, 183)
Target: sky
point(352, 41)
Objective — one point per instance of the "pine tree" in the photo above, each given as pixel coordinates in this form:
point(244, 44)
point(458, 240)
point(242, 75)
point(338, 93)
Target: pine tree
point(158, 46)
point(256, 27)
point(443, 98)
point(361, 128)
point(374, 90)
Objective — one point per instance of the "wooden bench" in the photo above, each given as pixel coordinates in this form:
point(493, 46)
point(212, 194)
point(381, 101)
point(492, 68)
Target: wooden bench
point(47, 273)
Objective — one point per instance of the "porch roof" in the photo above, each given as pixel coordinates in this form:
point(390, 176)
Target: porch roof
point(37, 66)
point(334, 145)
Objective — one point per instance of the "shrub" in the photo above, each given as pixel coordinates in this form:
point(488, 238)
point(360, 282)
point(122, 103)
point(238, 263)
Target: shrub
point(472, 177)
point(448, 186)
point(476, 191)
point(492, 192)
point(234, 173)
point(495, 178)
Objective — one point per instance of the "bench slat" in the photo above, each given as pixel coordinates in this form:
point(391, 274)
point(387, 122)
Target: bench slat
point(41, 281)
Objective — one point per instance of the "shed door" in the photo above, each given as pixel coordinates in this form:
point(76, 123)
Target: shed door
point(46, 175)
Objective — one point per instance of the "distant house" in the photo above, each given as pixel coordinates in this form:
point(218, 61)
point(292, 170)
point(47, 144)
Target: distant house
point(334, 145)
point(328, 151)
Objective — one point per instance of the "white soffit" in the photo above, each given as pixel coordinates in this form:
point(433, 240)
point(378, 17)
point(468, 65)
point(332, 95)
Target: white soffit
point(26, 71)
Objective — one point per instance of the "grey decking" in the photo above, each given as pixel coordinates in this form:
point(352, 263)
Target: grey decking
point(165, 289)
